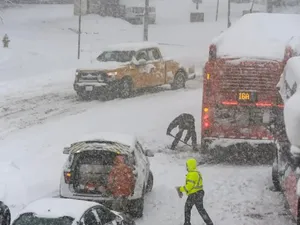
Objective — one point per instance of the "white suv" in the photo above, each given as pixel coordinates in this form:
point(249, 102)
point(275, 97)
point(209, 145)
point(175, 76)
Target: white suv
point(90, 161)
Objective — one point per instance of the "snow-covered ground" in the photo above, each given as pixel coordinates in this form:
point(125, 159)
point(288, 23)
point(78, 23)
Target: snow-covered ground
point(36, 77)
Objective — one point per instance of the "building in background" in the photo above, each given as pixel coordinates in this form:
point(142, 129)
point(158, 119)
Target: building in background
point(130, 10)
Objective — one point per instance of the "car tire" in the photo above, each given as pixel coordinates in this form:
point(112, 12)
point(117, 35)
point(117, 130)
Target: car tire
point(179, 81)
point(84, 96)
point(150, 182)
point(275, 174)
point(126, 88)
point(136, 208)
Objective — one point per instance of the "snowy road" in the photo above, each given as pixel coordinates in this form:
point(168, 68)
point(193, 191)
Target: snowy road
point(39, 112)
point(234, 194)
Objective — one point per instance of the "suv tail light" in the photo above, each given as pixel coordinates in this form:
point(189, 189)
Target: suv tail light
point(68, 177)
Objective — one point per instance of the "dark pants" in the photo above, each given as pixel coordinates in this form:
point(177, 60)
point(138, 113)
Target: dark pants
point(197, 200)
point(191, 133)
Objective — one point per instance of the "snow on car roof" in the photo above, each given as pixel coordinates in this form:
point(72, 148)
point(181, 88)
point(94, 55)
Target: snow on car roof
point(258, 35)
point(125, 139)
point(131, 46)
point(58, 207)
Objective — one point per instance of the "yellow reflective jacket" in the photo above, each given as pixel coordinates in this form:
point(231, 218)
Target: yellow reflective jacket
point(193, 182)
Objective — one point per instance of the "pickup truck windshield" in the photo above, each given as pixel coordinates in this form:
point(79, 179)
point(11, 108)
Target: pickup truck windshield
point(116, 56)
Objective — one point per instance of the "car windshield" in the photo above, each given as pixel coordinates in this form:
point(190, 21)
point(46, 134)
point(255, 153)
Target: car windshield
point(31, 219)
point(116, 56)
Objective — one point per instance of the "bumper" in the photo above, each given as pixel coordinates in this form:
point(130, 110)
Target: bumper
point(65, 192)
point(226, 142)
point(105, 201)
point(95, 88)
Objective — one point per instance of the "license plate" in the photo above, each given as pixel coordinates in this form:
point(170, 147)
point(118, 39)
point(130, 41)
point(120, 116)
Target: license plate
point(247, 96)
point(89, 88)
point(266, 117)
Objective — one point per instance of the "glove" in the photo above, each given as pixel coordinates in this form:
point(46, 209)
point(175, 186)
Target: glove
point(180, 194)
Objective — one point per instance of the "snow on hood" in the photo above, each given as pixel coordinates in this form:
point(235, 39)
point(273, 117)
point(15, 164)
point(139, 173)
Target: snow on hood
point(292, 119)
point(96, 65)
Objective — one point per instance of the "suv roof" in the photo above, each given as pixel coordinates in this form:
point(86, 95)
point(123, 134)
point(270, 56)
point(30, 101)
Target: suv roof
point(125, 139)
point(100, 145)
point(122, 143)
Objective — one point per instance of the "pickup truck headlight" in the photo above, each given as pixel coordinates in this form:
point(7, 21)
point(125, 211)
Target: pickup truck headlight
point(112, 73)
point(111, 76)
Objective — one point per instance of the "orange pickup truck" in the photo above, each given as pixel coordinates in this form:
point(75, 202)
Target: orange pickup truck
point(123, 68)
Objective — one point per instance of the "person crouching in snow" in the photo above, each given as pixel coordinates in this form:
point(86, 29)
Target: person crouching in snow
point(5, 215)
point(184, 122)
point(194, 189)
point(121, 183)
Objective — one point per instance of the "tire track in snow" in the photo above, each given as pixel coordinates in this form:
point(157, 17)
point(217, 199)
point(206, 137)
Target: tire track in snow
point(21, 112)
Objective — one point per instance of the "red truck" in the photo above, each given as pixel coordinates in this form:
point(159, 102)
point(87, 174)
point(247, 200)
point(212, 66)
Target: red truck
point(240, 77)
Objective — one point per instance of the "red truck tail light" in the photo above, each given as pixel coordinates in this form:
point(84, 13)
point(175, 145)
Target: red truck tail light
point(206, 117)
point(229, 103)
point(67, 176)
point(281, 106)
point(263, 104)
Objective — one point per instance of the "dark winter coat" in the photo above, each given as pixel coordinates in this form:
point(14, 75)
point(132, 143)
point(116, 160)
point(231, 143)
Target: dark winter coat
point(184, 121)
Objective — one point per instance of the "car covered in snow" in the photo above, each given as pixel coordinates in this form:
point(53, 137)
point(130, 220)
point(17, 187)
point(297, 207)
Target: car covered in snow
point(57, 211)
point(286, 166)
point(90, 160)
point(120, 69)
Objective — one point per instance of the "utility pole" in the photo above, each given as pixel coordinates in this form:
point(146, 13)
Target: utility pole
point(251, 9)
point(79, 30)
point(228, 15)
point(217, 12)
point(146, 20)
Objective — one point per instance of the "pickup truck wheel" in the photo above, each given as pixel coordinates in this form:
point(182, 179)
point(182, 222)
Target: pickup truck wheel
point(179, 81)
point(84, 96)
point(126, 88)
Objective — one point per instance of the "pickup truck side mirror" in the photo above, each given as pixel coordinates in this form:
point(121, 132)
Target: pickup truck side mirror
point(141, 62)
point(66, 150)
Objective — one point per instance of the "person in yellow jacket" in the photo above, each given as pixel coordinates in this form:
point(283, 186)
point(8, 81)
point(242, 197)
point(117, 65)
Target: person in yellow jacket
point(194, 190)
